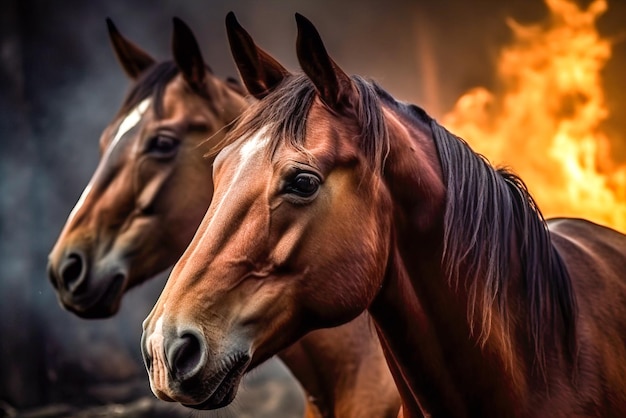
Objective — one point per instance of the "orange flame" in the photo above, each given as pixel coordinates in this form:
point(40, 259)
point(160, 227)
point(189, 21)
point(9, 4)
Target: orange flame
point(545, 122)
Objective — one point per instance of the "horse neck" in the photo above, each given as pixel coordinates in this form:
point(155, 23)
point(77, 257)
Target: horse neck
point(421, 316)
point(336, 367)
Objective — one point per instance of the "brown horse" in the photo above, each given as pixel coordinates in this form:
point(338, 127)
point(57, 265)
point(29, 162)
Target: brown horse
point(147, 198)
point(334, 198)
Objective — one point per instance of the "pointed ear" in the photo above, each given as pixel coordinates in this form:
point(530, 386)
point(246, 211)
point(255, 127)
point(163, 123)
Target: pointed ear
point(188, 57)
point(133, 59)
point(332, 84)
point(260, 72)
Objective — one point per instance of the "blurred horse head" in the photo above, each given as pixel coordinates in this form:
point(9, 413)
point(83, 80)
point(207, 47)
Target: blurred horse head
point(139, 205)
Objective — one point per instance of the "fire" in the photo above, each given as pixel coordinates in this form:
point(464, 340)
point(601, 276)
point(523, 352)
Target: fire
point(545, 119)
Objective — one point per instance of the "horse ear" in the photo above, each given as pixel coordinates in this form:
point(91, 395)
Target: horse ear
point(188, 57)
point(332, 84)
point(260, 72)
point(133, 59)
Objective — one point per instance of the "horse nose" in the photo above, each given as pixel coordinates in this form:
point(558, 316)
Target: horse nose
point(186, 355)
point(52, 275)
point(73, 271)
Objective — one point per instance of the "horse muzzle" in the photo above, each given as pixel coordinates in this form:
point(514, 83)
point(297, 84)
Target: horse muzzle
point(182, 370)
point(84, 290)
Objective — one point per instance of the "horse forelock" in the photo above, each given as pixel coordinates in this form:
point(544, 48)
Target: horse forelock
point(487, 212)
point(151, 83)
point(284, 113)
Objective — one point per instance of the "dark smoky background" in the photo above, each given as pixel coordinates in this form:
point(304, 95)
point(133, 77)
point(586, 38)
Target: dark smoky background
point(59, 87)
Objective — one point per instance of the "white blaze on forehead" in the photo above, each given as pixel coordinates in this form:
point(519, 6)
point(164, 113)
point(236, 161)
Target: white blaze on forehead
point(252, 147)
point(81, 201)
point(129, 122)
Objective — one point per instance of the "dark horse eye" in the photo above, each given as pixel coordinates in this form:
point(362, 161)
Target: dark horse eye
point(162, 146)
point(303, 185)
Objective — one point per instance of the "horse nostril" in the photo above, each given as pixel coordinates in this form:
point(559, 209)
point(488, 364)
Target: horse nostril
point(73, 271)
point(186, 356)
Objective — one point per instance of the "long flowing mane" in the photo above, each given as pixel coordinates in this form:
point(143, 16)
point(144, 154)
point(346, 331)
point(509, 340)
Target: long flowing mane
point(487, 212)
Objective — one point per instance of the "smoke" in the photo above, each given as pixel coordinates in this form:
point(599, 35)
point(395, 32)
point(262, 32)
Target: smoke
point(61, 86)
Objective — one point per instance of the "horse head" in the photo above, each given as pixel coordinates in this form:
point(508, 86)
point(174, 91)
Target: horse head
point(142, 205)
point(273, 257)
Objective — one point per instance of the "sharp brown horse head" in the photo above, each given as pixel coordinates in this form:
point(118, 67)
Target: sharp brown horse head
point(137, 206)
point(272, 258)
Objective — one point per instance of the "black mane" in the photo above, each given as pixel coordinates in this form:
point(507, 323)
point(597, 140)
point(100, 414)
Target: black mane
point(487, 211)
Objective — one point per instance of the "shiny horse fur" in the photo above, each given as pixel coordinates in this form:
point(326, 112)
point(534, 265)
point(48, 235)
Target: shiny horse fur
point(334, 198)
point(149, 194)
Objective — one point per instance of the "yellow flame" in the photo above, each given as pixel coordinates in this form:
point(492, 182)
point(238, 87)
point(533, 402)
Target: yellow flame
point(545, 119)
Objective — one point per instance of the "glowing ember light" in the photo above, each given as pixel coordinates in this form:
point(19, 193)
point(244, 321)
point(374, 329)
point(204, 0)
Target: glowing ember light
point(545, 120)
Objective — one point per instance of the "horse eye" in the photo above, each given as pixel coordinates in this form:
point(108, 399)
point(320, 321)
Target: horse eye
point(162, 146)
point(303, 185)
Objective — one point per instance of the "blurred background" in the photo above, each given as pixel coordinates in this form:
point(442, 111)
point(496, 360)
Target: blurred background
point(535, 85)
